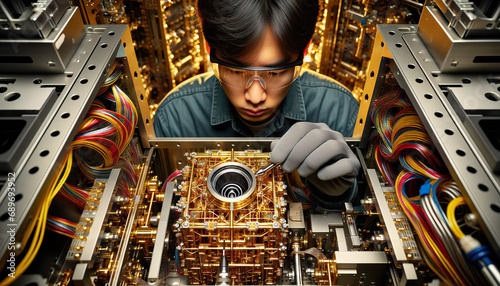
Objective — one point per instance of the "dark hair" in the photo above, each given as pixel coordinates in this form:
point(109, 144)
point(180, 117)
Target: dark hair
point(234, 27)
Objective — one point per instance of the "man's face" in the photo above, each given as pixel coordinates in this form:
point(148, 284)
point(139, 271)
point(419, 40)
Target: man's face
point(256, 104)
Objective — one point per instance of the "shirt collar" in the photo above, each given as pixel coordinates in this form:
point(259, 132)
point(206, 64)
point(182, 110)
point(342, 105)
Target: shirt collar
point(293, 104)
point(221, 107)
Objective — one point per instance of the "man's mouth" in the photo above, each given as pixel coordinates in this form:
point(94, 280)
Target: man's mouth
point(254, 112)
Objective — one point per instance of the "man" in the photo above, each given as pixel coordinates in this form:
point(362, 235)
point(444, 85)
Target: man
point(259, 89)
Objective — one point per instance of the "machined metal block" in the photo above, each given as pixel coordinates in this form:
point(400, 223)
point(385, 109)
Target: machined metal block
point(47, 55)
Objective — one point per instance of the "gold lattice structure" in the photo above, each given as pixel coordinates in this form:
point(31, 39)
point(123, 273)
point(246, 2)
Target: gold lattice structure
point(224, 205)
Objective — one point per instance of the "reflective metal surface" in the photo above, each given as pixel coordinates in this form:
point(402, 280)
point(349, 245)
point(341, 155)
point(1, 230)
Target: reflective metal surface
point(75, 89)
point(471, 18)
point(51, 54)
point(37, 20)
point(427, 88)
point(454, 54)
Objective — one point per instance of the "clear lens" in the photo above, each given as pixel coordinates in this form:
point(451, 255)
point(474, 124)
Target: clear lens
point(273, 79)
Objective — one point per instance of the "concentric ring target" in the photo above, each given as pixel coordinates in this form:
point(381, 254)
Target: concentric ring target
point(231, 182)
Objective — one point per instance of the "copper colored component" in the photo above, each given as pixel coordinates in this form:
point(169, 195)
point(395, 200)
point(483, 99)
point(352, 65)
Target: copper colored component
point(222, 200)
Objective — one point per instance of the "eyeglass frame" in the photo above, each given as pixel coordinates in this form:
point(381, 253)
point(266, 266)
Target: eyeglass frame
point(214, 59)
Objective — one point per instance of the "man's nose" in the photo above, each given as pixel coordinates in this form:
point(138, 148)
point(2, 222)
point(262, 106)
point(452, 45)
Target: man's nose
point(255, 92)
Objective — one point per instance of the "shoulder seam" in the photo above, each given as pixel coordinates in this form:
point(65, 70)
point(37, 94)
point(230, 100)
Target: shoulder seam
point(177, 94)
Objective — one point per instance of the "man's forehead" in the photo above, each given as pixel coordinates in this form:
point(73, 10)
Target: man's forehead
point(267, 53)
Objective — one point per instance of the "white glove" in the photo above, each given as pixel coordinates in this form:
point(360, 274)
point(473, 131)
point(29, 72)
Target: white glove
point(319, 154)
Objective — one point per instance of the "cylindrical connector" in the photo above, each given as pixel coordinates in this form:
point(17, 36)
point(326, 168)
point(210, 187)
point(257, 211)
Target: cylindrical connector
point(296, 260)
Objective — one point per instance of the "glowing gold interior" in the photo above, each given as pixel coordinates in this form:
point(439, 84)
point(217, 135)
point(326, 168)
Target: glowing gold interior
point(252, 229)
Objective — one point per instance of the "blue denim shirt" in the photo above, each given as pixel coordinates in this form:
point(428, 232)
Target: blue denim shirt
point(199, 108)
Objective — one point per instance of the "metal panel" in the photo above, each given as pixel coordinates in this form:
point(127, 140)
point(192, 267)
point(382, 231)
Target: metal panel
point(123, 250)
point(409, 276)
point(296, 216)
point(375, 72)
point(415, 71)
point(16, 132)
point(397, 248)
point(485, 131)
point(321, 223)
point(101, 215)
point(160, 241)
point(471, 18)
point(452, 53)
point(80, 277)
point(361, 267)
point(136, 90)
point(48, 55)
point(341, 240)
point(85, 74)
point(351, 259)
point(35, 20)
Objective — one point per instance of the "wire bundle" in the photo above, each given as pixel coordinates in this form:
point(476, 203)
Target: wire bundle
point(402, 137)
point(74, 194)
point(475, 252)
point(107, 132)
point(434, 194)
point(104, 134)
point(423, 186)
point(61, 226)
point(171, 177)
point(135, 156)
point(114, 74)
point(299, 192)
point(422, 205)
point(383, 120)
point(36, 228)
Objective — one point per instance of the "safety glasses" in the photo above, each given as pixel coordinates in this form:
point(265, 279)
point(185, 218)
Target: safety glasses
point(243, 77)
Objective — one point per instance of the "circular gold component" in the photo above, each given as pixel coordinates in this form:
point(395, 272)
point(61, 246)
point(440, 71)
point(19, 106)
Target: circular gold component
point(231, 182)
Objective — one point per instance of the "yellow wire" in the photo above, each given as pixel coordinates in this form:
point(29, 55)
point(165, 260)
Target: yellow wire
point(439, 274)
point(65, 222)
point(117, 124)
point(119, 96)
point(63, 233)
point(101, 149)
point(42, 214)
point(58, 181)
point(450, 213)
point(450, 270)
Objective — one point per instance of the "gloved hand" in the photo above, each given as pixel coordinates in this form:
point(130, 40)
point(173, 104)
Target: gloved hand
point(319, 154)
